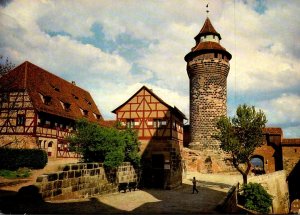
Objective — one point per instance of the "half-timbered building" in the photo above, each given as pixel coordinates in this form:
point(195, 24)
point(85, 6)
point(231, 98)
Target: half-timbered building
point(160, 130)
point(38, 110)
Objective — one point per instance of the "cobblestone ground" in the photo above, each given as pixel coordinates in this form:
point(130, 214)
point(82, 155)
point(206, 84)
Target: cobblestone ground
point(212, 189)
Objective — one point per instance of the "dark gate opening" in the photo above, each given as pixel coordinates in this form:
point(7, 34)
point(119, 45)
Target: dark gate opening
point(158, 171)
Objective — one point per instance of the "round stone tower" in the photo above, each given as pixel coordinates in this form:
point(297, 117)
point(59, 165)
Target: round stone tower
point(207, 68)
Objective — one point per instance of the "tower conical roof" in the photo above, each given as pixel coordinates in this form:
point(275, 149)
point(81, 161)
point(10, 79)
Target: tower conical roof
point(207, 29)
point(207, 41)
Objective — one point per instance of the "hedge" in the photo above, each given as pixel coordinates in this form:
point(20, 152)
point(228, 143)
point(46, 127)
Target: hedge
point(13, 159)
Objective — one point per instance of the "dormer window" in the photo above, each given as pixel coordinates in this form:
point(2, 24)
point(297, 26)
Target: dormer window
point(75, 97)
point(47, 100)
point(55, 88)
point(84, 112)
point(66, 106)
point(97, 116)
point(87, 101)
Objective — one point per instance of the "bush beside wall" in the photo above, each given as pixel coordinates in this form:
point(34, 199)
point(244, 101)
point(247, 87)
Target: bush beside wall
point(13, 159)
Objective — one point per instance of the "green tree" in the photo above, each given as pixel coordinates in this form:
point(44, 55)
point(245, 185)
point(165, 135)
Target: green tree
point(102, 144)
point(257, 198)
point(5, 65)
point(240, 135)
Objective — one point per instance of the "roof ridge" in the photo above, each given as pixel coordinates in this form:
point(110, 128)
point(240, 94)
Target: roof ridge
point(44, 70)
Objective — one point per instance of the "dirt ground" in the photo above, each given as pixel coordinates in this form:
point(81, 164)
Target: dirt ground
point(212, 190)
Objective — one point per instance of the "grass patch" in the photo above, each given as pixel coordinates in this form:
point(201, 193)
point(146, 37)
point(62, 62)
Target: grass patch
point(20, 173)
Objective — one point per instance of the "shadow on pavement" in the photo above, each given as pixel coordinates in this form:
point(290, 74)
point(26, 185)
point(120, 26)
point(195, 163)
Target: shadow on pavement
point(180, 200)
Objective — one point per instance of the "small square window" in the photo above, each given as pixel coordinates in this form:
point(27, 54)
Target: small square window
point(21, 119)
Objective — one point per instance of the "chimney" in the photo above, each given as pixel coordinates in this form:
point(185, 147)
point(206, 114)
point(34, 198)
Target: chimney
point(74, 83)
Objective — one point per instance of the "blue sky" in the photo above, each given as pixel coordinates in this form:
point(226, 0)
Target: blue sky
point(112, 48)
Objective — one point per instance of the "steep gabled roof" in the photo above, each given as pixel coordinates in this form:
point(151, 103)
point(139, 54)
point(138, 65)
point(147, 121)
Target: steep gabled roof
point(39, 83)
point(207, 29)
point(175, 110)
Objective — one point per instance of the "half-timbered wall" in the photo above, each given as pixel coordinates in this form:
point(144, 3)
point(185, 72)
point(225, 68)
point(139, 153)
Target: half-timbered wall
point(17, 119)
point(21, 126)
point(160, 131)
point(150, 118)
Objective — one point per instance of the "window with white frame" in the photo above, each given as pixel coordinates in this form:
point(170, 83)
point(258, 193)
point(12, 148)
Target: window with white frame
point(130, 123)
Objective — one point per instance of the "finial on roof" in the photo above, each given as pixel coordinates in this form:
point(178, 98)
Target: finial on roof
point(207, 11)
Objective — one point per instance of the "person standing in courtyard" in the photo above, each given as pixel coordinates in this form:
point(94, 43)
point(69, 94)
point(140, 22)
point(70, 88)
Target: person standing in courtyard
point(194, 185)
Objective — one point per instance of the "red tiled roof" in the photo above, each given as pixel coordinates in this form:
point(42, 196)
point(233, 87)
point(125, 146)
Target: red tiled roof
point(207, 28)
point(108, 123)
point(175, 110)
point(208, 46)
point(39, 82)
point(272, 131)
point(291, 141)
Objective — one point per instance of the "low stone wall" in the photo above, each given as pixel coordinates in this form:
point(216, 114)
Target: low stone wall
point(230, 202)
point(126, 173)
point(276, 185)
point(83, 180)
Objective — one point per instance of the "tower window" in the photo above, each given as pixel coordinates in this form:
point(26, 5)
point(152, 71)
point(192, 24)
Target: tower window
point(21, 119)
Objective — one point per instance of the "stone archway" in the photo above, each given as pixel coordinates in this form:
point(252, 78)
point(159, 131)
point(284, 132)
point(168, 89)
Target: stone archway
point(257, 162)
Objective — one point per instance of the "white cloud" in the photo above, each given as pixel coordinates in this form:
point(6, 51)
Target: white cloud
point(264, 47)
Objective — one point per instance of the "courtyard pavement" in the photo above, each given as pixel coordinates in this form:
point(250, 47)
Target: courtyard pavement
point(212, 190)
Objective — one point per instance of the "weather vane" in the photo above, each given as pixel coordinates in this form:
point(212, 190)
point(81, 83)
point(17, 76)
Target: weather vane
point(207, 11)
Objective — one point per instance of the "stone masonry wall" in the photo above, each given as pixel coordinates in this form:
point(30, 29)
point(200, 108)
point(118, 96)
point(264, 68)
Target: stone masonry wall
point(208, 97)
point(83, 180)
point(276, 185)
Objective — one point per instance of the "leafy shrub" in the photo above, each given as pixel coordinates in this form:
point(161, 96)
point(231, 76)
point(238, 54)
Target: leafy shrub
point(257, 198)
point(13, 159)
